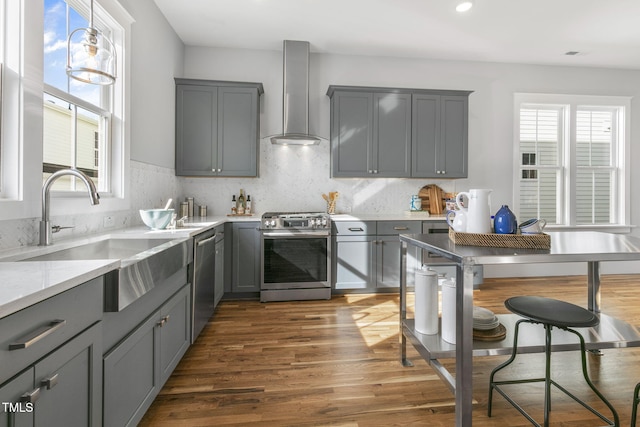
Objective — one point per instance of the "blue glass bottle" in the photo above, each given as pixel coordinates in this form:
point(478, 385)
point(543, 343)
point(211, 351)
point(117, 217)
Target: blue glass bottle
point(504, 221)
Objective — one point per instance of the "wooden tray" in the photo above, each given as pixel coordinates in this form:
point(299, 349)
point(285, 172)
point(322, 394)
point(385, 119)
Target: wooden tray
point(521, 241)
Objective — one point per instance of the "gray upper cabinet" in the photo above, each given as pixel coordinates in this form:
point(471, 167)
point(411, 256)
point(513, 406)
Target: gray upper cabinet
point(217, 128)
point(440, 135)
point(403, 133)
point(370, 134)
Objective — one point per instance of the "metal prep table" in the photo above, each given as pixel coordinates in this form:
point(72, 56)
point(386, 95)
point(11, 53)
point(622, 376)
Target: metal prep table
point(588, 247)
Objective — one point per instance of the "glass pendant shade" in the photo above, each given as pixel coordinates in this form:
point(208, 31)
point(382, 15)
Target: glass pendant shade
point(91, 57)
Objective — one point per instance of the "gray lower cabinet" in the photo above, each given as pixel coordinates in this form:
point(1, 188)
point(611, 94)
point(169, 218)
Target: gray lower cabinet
point(218, 282)
point(51, 369)
point(136, 369)
point(245, 257)
point(370, 134)
point(217, 128)
point(390, 132)
point(64, 389)
point(367, 253)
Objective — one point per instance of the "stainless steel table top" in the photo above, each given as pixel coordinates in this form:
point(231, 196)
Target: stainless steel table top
point(566, 246)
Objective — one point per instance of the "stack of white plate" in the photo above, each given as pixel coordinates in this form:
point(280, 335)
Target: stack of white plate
point(484, 319)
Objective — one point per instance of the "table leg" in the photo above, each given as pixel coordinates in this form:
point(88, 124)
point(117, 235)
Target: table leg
point(403, 304)
point(593, 286)
point(464, 345)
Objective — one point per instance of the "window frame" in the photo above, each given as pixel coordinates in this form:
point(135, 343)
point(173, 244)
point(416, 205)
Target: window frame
point(22, 115)
point(570, 104)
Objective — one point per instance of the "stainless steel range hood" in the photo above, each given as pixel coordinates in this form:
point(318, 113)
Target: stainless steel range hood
point(295, 102)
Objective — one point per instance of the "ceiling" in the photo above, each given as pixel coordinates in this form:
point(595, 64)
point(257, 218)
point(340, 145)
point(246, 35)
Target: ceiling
point(606, 33)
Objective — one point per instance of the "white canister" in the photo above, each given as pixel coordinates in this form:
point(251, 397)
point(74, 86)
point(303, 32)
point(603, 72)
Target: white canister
point(449, 311)
point(426, 302)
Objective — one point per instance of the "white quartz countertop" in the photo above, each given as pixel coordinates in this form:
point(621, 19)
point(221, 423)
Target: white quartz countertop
point(24, 283)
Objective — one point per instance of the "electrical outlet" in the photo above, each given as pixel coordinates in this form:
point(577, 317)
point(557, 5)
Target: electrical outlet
point(108, 222)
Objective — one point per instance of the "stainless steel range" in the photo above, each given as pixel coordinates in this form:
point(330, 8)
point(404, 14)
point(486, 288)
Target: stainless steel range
point(295, 256)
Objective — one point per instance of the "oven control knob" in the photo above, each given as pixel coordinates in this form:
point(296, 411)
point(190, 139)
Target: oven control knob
point(324, 222)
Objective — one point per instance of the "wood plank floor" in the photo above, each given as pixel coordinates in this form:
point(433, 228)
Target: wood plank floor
point(336, 363)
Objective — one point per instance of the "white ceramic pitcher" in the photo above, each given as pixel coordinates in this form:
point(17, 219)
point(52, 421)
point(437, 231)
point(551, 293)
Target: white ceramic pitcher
point(479, 210)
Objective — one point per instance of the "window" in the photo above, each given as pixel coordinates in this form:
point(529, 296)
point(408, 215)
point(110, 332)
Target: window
point(571, 168)
point(74, 113)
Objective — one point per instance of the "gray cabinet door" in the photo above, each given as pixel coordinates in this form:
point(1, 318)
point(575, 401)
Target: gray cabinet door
point(70, 381)
point(388, 262)
point(425, 135)
point(439, 136)
point(237, 132)
point(351, 134)
point(175, 331)
point(246, 257)
point(132, 376)
point(14, 413)
point(391, 150)
point(454, 136)
point(196, 130)
point(355, 262)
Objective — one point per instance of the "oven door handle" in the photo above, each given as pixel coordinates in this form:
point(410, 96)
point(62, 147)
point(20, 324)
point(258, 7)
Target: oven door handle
point(295, 234)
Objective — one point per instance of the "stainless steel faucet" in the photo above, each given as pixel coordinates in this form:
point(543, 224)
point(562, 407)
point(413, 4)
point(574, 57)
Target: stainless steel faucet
point(45, 226)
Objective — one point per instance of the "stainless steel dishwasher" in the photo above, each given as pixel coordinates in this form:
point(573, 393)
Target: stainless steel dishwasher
point(203, 292)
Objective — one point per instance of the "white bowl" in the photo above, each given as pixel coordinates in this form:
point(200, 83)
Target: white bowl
point(156, 219)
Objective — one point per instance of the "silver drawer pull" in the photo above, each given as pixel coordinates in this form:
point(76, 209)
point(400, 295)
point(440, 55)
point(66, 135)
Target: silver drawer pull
point(163, 321)
point(400, 228)
point(30, 396)
point(37, 335)
point(356, 229)
point(50, 382)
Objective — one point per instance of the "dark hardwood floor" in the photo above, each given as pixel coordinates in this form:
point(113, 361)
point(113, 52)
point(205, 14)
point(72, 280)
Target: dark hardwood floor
point(336, 363)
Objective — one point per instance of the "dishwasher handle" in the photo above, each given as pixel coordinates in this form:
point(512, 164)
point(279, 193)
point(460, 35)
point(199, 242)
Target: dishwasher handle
point(207, 240)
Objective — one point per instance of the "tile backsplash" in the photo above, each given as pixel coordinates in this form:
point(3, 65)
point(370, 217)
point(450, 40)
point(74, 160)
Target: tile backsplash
point(291, 179)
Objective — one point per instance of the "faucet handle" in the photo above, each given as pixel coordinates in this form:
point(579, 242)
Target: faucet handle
point(57, 228)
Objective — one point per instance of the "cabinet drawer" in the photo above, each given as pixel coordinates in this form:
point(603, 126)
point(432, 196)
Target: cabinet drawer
point(28, 335)
point(399, 227)
point(354, 228)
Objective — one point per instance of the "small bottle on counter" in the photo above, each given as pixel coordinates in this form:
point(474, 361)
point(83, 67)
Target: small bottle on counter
point(234, 205)
point(190, 204)
point(241, 203)
point(247, 210)
point(184, 209)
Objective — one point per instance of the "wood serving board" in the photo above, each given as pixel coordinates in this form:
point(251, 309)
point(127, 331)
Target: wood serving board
point(433, 199)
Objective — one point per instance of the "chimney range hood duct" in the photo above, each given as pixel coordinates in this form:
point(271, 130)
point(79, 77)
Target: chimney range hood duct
point(295, 102)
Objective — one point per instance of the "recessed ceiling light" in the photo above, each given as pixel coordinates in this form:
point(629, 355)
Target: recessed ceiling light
point(464, 5)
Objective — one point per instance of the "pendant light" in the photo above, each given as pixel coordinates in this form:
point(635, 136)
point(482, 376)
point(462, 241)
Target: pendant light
point(91, 56)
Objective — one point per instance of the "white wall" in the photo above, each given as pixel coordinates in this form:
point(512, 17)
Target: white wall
point(293, 178)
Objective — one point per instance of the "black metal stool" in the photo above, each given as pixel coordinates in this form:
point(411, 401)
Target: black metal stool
point(550, 313)
point(636, 400)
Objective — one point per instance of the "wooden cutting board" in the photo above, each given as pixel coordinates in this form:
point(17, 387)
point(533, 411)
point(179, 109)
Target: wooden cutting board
point(433, 199)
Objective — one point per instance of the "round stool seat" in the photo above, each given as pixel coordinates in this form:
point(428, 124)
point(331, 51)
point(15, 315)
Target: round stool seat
point(552, 311)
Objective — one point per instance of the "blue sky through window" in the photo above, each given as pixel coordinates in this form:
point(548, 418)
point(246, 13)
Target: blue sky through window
point(59, 20)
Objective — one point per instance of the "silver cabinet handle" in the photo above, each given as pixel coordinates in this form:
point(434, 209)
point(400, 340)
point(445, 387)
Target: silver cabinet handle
point(400, 228)
point(37, 335)
point(163, 321)
point(207, 240)
point(50, 382)
point(30, 396)
point(356, 229)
